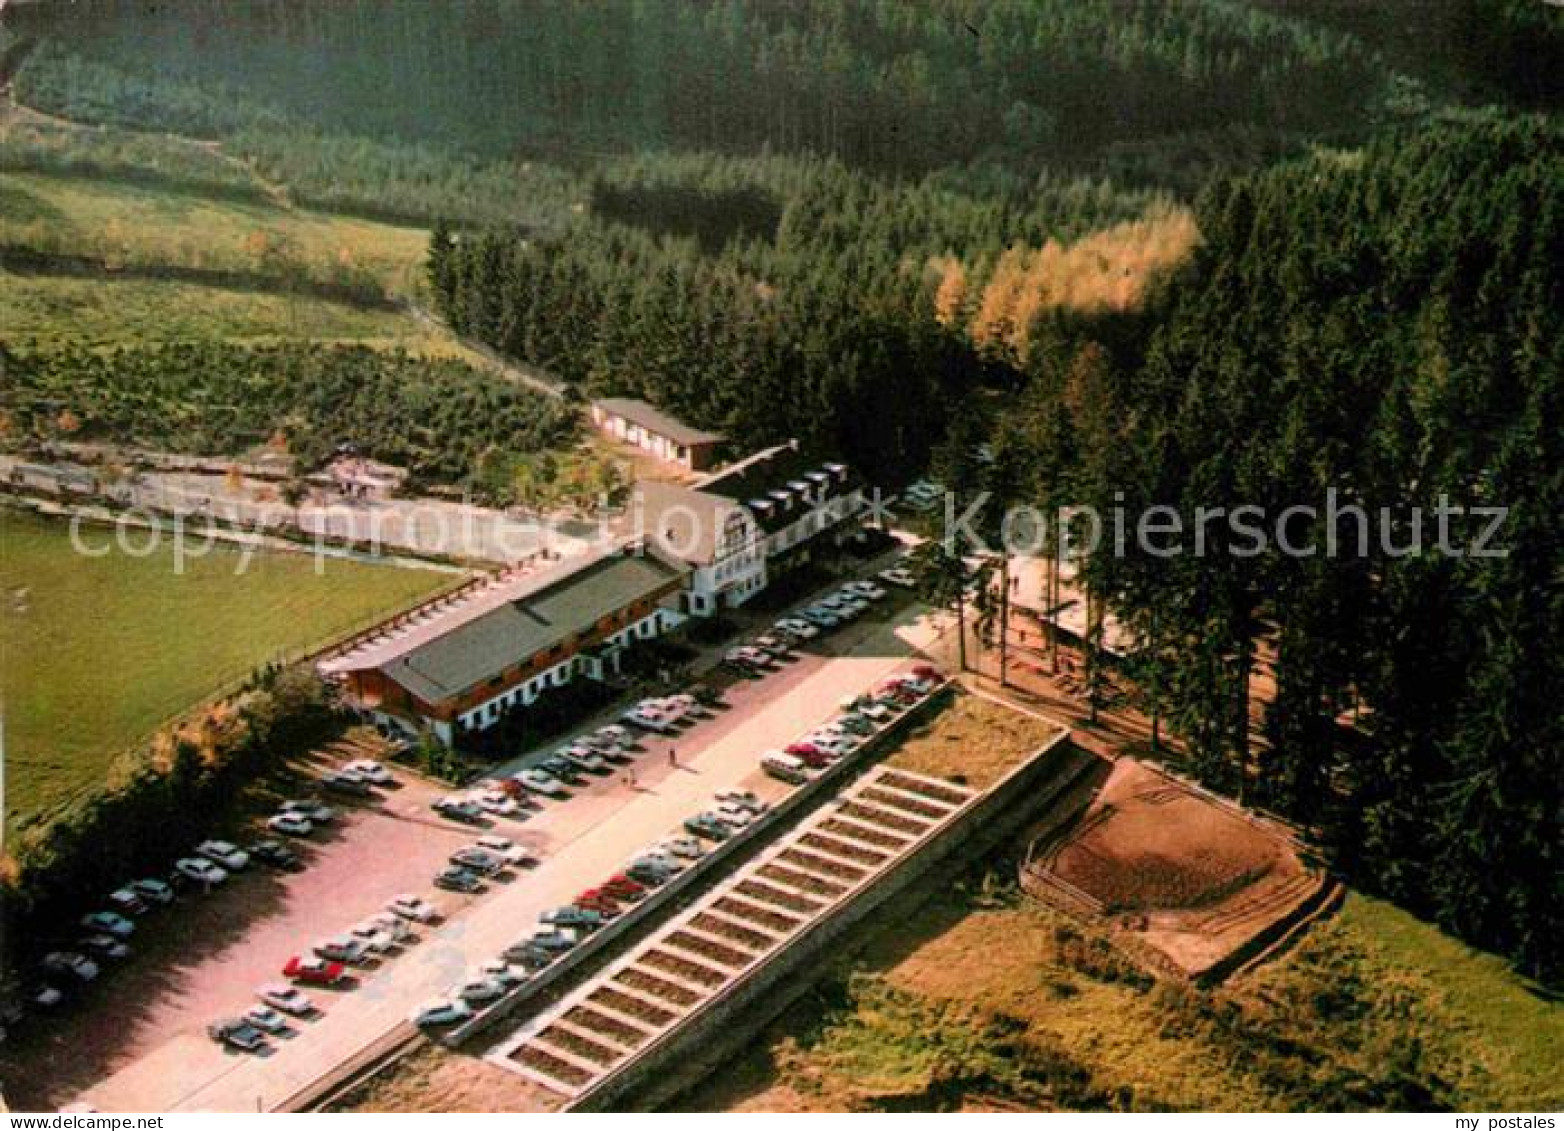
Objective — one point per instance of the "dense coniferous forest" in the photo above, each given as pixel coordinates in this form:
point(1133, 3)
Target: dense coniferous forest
point(1195, 253)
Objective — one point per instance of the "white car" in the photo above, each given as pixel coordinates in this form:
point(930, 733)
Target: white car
point(503, 972)
point(795, 626)
point(901, 578)
point(315, 812)
point(108, 923)
point(413, 909)
point(480, 991)
point(441, 1012)
point(69, 962)
point(399, 931)
point(342, 948)
point(540, 782)
point(734, 815)
point(833, 745)
point(661, 855)
point(370, 770)
point(199, 870)
point(127, 900)
point(373, 936)
point(494, 801)
point(866, 590)
point(744, 799)
point(290, 824)
point(507, 850)
point(153, 891)
point(685, 846)
point(289, 999)
point(230, 856)
point(267, 1020)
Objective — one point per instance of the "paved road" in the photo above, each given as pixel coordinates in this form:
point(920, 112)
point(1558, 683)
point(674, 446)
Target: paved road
point(591, 837)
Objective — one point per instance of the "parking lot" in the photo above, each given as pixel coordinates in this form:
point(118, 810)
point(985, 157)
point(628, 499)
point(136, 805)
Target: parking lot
point(144, 1029)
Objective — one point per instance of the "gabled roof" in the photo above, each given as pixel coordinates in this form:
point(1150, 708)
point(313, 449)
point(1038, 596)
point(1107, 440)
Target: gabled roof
point(566, 601)
point(654, 419)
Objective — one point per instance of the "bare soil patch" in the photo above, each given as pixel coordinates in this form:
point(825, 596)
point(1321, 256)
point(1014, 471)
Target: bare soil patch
point(1189, 876)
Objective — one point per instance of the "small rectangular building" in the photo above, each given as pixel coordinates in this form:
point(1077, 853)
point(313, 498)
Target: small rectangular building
point(647, 427)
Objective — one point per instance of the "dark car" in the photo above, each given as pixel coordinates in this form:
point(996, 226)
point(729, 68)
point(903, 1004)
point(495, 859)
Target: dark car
point(459, 879)
point(342, 783)
point(275, 854)
point(562, 768)
point(530, 955)
point(477, 860)
point(237, 1033)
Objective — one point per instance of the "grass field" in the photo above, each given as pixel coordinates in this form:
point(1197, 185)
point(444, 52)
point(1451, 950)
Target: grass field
point(96, 652)
point(978, 999)
point(42, 310)
point(146, 226)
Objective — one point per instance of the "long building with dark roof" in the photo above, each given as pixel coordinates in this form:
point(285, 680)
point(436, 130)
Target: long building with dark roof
point(463, 667)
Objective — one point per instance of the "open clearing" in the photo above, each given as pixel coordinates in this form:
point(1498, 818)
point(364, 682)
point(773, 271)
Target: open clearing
point(151, 226)
point(971, 997)
point(98, 651)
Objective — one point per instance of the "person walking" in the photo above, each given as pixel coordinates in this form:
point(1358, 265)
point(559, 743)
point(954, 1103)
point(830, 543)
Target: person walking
point(673, 756)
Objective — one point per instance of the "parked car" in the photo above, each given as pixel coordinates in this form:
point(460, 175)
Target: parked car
point(496, 803)
point(444, 1011)
point(68, 962)
point(342, 948)
point(224, 854)
point(458, 880)
point(734, 816)
point(665, 862)
point(929, 672)
point(820, 616)
point(127, 902)
point(855, 723)
point(153, 891)
point(340, 781)
point(649, 871)
point(479, 991)
point(558, 940)
point(623, 887)
point(315, 812)
point(313, 971)
point(399, 931)
point(477, 860)
point(43, 996)
point(107, 922)
point(561, 768)
point(413, 909)
point(276, 855)
point(370, 771)
point(542, 783)
point(290, 824)
point(458, 809)
point(866, 589)
point(809, 754)
point(568, 916)
point(618, 735)
point(503, 973)
point(744, 798)
point(583, 758)
point(237, 1033)
point(507, 850)
point(599, 902)
point(833, 746)
point(785, 767)
point(289, 999)
point(647, 719)
point(105, 946)
point(688, 704)
point(373, 937)
point(705, 825)
point(774, 646)
point(265, 1019)
point(685, 846)
point(898, 577)
point(798, 627)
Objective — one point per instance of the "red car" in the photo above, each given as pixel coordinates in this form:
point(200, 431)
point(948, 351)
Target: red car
point(314, 971)
point(811, 756)
point(927, 671)
point(596, 901)
point(623, 887)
